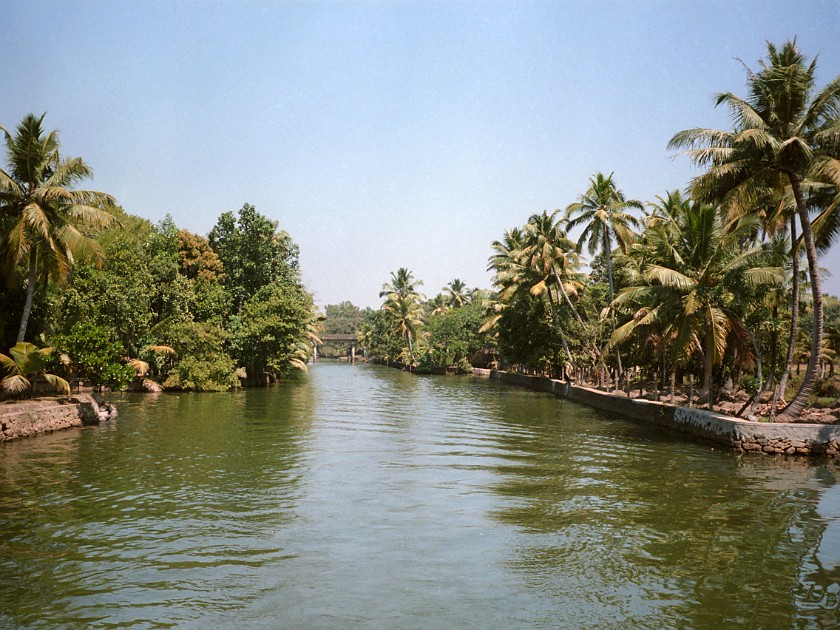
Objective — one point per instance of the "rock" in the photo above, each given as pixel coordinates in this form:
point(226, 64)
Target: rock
point(767, 448)
point(790, 450)
point(751, 446)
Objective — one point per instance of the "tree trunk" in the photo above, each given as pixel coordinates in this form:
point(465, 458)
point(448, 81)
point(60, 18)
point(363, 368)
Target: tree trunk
point(556, 318)
point(608, 255)
point(794, 320)
point(795, 407)
point(774, 350)
point(708, 357)
point(30, 292)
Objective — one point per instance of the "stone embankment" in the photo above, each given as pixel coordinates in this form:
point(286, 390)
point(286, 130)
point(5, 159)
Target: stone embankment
point(32, 417)
point(741, 435)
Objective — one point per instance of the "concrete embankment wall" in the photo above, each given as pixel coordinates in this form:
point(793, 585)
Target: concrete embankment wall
point(32, 417)
point(742, 435)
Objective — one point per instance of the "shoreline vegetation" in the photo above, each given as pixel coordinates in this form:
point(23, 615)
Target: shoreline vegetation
point(712, 293)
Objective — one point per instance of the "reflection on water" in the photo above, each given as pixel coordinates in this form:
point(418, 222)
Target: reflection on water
point(366, 496)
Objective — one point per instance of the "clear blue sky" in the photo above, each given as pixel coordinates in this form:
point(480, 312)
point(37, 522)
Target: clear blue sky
point(387, 134)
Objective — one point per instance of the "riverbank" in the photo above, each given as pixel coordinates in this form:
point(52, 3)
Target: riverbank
point(27, 418)
point(740, 435)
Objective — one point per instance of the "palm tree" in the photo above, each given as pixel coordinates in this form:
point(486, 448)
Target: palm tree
point(457, 293)
point(687, 289)
point(406, 315)
point(602, 209)
point(536, 261)
point(551, 256)
point(402, 305)
point(780, 129)
point(438, 305)
point(48, 220)
point(26, 361)
point(402, 284)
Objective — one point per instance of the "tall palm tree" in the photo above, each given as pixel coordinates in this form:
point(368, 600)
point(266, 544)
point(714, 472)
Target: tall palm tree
point(536, 261)
point(551, 257)
point(603, 211)
point(781, 128)
point(48, 222)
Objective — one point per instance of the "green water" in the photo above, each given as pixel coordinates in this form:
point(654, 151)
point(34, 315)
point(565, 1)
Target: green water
point(366, 497)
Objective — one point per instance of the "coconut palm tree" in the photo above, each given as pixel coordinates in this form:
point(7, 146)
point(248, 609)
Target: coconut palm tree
point(603, 211)
point(552, 258)
point(406, 315)
point(402, 284)
point(48, 222)
point(402, 305)
point(781, 128)
point(536, 261)
point(694, 263)
point(438, 304)
point(457, 293)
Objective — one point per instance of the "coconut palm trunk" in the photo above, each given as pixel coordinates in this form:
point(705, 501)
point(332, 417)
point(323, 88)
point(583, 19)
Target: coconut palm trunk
point(801, 398)
point(794, 319)
point(608, 255)
point(30, 292)
point(708, 362)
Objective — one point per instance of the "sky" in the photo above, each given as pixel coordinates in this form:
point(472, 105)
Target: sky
point(388, 134)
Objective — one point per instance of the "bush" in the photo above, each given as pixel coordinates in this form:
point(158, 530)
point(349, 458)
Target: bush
point(211, 372)
point(95, 355)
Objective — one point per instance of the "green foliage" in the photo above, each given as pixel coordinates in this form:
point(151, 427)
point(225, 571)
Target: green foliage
point(270, 328)
point(344, 318)
point(201, 361)
point(118, 296)
point(96, 355)
point(253, 253)
point(452, 337)
point(207, 372)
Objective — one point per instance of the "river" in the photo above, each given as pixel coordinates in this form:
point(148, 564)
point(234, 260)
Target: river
point(361, 496)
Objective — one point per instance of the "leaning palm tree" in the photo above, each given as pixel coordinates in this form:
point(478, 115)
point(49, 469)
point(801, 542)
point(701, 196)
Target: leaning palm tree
point(49, 221)
point(781, 128)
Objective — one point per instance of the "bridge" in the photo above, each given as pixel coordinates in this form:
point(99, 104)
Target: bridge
point(338, 339)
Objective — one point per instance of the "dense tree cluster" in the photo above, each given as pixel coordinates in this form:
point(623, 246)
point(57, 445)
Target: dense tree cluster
point(140, 303)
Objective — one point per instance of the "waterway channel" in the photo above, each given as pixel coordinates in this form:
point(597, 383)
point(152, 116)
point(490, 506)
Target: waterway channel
point(361, 496)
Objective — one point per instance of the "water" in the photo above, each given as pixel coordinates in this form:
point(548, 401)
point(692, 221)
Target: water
point(366, 497)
